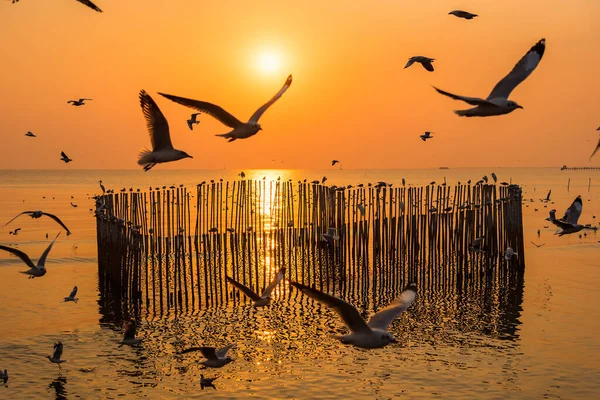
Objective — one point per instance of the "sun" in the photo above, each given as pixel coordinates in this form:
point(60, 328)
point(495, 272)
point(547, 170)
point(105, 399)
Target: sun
point(268, 62)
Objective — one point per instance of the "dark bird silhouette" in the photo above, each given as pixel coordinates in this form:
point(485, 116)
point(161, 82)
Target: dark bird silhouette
point(65, 158)
point(39, 214)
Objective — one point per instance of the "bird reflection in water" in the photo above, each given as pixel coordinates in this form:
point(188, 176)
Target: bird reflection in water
point(58, 385)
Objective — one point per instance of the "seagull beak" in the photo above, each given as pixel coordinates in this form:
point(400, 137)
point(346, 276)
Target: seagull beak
point(260, 129)
point(190, 156)
point(518, 106)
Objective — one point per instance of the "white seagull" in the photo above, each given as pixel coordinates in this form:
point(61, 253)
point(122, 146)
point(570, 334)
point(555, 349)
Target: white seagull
point(34, 270)
point(241, 130)
point(497, 102)
point(39, 214)
point(265, 297)
point(71, 297)
point(569, 222)
point(193, 121)
point(462, 14)
point(509, 253)
point(424, 61)
point(57, 354)
point(214, 358)
point(30, 134)
point(366, 335)
point(129, 334)
point(77, 103)
point(158, 127)
point(425, 136)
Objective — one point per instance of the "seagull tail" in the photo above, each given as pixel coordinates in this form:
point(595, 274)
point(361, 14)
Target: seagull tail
point(145, 157)
point(466, 113)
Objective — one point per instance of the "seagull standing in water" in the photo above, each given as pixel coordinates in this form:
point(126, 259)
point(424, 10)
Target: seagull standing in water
point(497, 102)
point(71, 297)
point(214, 358)
point(373, 334)
point(57, 354)
point(193, 121)
point(265, 297)
point(241, 130)
point(77, 103)
point(462, 14)
point(129, 334)
point(34, 270)
point(39, 214)
point(158, 127)
point(424, 61)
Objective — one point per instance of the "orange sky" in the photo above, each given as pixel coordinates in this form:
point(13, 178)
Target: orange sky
point(351, 99)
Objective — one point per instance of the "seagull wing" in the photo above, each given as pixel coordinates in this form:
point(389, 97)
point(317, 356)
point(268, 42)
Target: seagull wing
point(90, 5)
point(211, 109)
point(246, 290)
point(209, 353)
point(427, 65)
point(520, 72)
point(574, 211)
point(19, 254)
point(42, 260)
point(221, 353)
point(63, 155)
point(54, 217)
point(273, 285)
point(597, 147)
point(73, 292)
point(347, 311)
point(82, 100)
point(24, 212)
point(58, 350)
point(410, 62)
point(260, 111)
point(474, 101)
point(157, 125)
point(382, 319)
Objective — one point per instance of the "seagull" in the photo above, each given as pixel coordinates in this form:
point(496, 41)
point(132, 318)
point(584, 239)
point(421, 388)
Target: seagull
point(477, 245)
point(102, 187)
point(39, 214)
point(330, 236)
point(265, 297)
point(15, 232)
point(537, 245)
point(424, 61)
point(323, 179)
point(93, 7)
point(242, 174)
point(497, 102)
point(361, 208)
point(509, 253)
point(547, 199)
point(158, 127)
point(241, 130)
point(129, 334)
point(34, 270)
point(72, 297)
point(369, 335)
point(214, 358)
point(552, 215)
point(207, 382)
point(73, 205)
point(192, 121)
point(77, 103)
point(30, 134)
point(462, 14)
point(426, 135)
point(55, 357)
point(597, 147)
point(64, 157)
point(494, 177)
point(4, 376)
point(568, 223)
point(333, 162)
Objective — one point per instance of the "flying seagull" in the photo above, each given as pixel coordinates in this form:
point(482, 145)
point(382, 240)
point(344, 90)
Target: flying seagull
point(34, 270)
point(569, 222)
point(214, 358)
point(241, 130)
point(333, 162)
point(129, 334)
point(39, 214)
point(77, 103)
point(192, 121)
point(497, 102)
point(30, 134)
point(462, 14)
point(369, 335)
point(425, 136)
point(547, 199)
point(64, 157)
point(158, 127)
point(265, 297)
point(57, 354)
point(90, 5)
point(71, 297)
point(424, 61)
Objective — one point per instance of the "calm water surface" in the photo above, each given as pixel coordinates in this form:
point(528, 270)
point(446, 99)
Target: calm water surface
point(532, 338)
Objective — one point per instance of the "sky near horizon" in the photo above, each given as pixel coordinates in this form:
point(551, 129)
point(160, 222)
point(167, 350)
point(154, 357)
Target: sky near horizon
point(351, 98)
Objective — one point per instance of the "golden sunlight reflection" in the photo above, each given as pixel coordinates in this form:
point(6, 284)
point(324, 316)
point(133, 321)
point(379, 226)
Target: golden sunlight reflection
point(265, 336)
point(269, 62)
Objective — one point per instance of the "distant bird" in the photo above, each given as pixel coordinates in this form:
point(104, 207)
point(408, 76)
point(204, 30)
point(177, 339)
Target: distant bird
point(403, 182)
point(324, 179)
point(369, 335)
point(477, 245)
point(537, 245)
point(214, 358)
point(596, 149)
point(71, 297)
point(485, 178)
point(509, 253)
point(129, 334)
point(102, 187)
point(193, 121)
point(64, 157)
point(73, 205)
point(34, 270)
point(80, 102)
point(552, 215)
point(242, 174)
point(462, 14)
point(330, 236)
point(57, 354)
point(241, 130)
point(425, 136)
point(4, 375)
point(207, 382)
point(497, 102)
point(361, 208)
point(333, 162)
point(424, 61)
point(90, 5)
point(15, 232)
point(30, 134)
point(158, 127)
point(38, 214)
point(547, 199)
point(494, 177)
point(265, 297)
